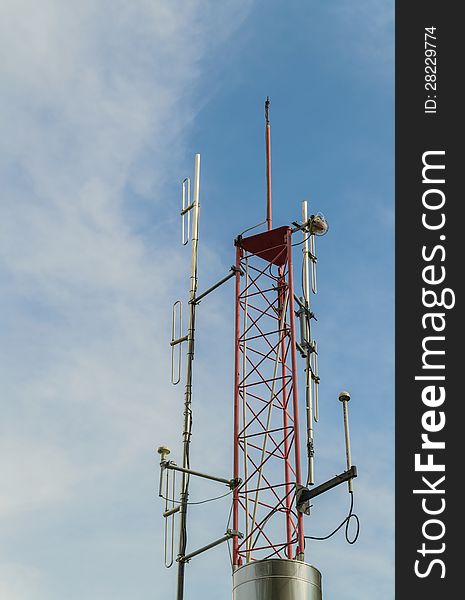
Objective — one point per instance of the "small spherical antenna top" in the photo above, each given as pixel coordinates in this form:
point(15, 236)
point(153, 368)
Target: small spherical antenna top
point(344, 396)
point(163, 451)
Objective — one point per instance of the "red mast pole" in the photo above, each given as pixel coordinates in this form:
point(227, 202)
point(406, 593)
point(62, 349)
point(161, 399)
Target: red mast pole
point(268, 165)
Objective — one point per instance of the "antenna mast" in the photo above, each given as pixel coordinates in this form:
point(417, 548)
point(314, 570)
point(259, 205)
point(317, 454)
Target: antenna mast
point(187, 433)
point(268, 164)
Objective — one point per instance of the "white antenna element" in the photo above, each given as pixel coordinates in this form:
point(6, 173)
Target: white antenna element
point(186, 207)
point(318, 226)
point(170, 510)
point(176, 371)
point(313, 258)
point(306, 234)
point(311, 227)
point(170, 507)
point(315, 379)
point(305, 326)
point(195, 206)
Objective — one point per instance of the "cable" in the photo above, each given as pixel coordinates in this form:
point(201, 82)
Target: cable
point(253, 227)
point(199, 501)
point(275, 277)
point(227, 541)
point(345, 522)
point(302, 241)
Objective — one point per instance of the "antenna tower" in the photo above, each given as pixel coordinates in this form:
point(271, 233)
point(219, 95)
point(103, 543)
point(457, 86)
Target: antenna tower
point(273, 332)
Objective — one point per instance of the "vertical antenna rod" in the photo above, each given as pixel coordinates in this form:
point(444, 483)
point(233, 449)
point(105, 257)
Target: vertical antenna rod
point(308, 369)
point(344, 397)
point(187, 433)
point(268, 164)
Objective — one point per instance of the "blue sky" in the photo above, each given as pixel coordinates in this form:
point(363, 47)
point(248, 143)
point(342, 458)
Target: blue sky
point(103, 106)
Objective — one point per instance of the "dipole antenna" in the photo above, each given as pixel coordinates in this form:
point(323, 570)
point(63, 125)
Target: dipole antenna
point(268, 164)
point(189, 233)
point(187, 432)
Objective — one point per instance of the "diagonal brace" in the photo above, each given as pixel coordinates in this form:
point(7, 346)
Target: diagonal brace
point(232, 273)
point(230, 533)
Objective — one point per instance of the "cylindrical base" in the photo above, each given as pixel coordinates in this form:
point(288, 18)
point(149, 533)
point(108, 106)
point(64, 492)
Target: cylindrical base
point(277, 579)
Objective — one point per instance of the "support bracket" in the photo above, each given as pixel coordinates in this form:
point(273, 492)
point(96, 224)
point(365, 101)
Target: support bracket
point(303, 494)
point(232, 272)
point(231, 483)
point(230, 533)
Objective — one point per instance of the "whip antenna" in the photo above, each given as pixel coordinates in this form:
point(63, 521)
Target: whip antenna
point(268, 164)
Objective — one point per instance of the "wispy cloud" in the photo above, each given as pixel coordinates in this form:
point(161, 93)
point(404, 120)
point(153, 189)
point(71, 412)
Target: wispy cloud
point(18, 582)
point(368, 27)
point(95, 97)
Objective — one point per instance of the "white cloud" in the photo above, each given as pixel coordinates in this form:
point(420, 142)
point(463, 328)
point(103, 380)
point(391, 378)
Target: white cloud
point(18, 582)
point(96, 99)
point(90, 91)
point(32, 476)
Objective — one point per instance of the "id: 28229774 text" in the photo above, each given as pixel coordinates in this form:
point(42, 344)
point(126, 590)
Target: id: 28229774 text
point(431, 101)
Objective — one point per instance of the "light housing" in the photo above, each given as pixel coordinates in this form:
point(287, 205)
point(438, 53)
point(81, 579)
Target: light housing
point(318, 225)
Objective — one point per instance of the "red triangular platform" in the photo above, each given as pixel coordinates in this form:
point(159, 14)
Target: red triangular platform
point(269, 245)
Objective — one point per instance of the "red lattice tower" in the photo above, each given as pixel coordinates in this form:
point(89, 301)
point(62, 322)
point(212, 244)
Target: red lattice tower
point(266, 415)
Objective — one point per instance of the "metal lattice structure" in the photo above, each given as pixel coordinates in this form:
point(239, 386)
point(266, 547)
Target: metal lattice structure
point(266, 415)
